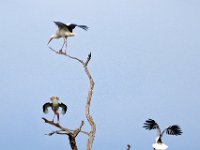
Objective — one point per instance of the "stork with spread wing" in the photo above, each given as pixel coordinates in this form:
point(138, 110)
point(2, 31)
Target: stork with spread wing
point(55, 105)
point(64, 31)
point(150, 124)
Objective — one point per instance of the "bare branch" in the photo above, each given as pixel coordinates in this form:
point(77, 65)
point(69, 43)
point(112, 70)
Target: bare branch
point(65, 131)
point(56, 132)
point(84, 132)
point(65, 54)
point(62, 128)
point(76, 132)
point(56, 125)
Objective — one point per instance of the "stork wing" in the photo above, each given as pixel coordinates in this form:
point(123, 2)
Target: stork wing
point(72, 26)
point(84, 27)
point(174, 130)
point(61, 25)
point(46, 106)
point(64, 108)
point(151, 124)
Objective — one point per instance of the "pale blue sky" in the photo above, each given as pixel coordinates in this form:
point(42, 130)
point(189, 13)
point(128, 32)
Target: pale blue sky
point(145, 63)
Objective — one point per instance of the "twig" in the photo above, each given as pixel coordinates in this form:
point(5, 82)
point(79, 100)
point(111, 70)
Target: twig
point(56, 132)
point(88, 59)
point(63, 132)
point(84, 132)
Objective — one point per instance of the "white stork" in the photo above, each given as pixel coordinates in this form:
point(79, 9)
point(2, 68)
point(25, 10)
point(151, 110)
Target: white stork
point(171, 130)
point(64, 31)
point(55, 106)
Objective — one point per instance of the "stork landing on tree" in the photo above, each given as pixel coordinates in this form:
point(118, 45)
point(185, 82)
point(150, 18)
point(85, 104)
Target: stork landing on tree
point(171, 130)
point(64, 31)
point(55, 106)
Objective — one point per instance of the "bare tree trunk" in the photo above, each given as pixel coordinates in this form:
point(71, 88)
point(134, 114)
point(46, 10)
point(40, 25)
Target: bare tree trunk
point(87, 109)
point(72, 142)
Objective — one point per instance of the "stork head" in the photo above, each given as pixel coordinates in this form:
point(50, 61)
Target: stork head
point(51, 38)
point(54, 99)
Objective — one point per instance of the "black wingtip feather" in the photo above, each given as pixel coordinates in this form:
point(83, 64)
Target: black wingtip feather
point(64, 108)
point(60, 24)
point(45, 107)
point(150, 124)
point(174, 130)
point(83, 27)
point(89, 55)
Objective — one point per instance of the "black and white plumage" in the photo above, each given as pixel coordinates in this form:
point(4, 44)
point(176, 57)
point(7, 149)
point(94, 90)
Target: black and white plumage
point(55, 105)
point(150, 124)
point(64, 31)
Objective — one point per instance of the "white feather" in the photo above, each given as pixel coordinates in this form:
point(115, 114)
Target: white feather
point(159, 146)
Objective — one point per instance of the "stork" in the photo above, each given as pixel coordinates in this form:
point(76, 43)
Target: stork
point(171, 130)
point(64, 31)
point(55, 106)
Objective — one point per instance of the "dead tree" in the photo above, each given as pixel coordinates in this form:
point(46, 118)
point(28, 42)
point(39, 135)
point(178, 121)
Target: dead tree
point(73, 133)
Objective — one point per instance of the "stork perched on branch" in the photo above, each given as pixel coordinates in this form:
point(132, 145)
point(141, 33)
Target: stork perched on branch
point(55, 106)
point(171, 130)
point(64, 31)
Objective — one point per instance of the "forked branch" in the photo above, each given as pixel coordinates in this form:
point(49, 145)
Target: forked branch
point(72, 134)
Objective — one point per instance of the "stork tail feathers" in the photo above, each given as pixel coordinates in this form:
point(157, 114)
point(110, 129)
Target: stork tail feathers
point(83, 27)
point(159, 146)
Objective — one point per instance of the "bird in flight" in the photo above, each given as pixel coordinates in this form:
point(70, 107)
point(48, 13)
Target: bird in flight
point(55, 106)
point(64, 31)
point(150, 124)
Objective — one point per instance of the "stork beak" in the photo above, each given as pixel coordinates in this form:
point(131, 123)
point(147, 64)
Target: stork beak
point(50, 40)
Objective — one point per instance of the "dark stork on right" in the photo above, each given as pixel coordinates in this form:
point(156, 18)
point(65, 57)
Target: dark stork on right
point(171, 130)
point(55, 106)
point(64, 31)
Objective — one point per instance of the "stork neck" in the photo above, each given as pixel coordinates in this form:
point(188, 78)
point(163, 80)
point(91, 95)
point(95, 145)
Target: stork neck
point(158, 139)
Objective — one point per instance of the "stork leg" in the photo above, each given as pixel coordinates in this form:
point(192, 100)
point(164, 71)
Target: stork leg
point(58, 118)
point(53, 117)
point(65, 45)
point(60, 51)
point(56, 114)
